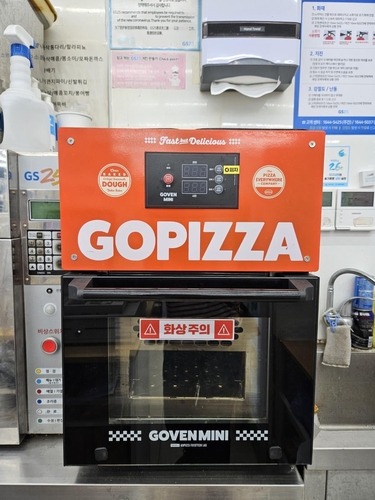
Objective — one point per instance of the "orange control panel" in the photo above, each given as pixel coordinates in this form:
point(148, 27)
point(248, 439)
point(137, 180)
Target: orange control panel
point(190, 200)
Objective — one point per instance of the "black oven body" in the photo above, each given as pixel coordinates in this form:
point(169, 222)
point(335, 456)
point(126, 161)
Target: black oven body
point(172, 402)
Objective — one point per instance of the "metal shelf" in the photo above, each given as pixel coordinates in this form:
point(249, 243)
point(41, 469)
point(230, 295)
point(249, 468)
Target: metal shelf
point(34, 470)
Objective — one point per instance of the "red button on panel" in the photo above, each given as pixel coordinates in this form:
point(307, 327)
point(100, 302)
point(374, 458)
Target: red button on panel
point(168, 178)
point(50, 345)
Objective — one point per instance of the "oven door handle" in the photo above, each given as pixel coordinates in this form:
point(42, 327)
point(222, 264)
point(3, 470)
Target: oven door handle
point(300, 290)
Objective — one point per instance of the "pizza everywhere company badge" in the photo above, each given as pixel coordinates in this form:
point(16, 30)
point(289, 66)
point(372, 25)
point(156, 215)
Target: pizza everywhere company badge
point(269, 181)
point(114, 180)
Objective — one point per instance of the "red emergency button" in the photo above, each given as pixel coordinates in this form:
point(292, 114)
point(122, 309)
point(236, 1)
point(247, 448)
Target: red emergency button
point(168, 178)
point(50, 345)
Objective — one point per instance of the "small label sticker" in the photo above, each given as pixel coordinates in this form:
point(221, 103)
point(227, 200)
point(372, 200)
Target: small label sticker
point(49, 391)
point(49, 411)
point(114, 180)
point(232, 169)
point(269, 182)
point(189, 329)
point(48, 381)
point(48, 401)
point(48, 371)
point(49, 420)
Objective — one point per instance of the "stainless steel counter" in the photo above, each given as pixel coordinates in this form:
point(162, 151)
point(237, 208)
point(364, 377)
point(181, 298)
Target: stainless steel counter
point(344, 449)
point(343, 465)
point(34, 471)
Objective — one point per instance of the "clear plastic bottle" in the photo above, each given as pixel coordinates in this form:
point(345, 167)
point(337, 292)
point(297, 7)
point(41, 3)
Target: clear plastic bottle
point(363, 289)
point(52, 119)
point(25, 116)
point(363, 318)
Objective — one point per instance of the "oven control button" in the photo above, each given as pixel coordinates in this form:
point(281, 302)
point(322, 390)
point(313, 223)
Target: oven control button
point(218, 189)
point(168, 178)
point(50, 345)
point(219, 179)
point(49, 309)
point(219, 169)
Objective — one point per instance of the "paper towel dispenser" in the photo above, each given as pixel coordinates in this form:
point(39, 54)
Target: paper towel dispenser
point(252, 47)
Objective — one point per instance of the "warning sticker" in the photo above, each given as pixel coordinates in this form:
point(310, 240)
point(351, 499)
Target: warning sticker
point(189, 329)
point(269, 181)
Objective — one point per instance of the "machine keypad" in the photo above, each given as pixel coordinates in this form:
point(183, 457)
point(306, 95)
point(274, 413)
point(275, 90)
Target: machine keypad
point(44, 252)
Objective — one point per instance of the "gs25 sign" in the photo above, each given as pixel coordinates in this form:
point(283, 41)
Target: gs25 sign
point(45, 176)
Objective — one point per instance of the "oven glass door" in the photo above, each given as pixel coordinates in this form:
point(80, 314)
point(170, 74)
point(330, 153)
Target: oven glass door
point(188, 369)
point(176, 380)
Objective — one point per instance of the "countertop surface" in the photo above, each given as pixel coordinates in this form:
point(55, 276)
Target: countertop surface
point(39, 459)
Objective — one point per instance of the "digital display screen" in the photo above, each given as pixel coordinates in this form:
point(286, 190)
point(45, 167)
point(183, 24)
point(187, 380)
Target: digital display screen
point(327, 199)
point(357, 199)
point(40, 210)
point(194, 170)
point(194, 187)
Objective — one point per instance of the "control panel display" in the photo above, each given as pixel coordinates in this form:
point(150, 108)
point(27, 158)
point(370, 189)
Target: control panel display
point(194, 187)
point(327, 199)
point(357, 199)
point(328, 210)
point(187, 180)
point(194, 171)
point(44, 210)
point(355, 210)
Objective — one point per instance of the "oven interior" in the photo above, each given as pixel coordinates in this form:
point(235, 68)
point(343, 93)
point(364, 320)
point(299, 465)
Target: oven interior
point(188, 379)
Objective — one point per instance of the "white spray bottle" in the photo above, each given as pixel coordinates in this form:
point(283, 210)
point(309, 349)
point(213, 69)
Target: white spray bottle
point(52, 120)
point(25, 117)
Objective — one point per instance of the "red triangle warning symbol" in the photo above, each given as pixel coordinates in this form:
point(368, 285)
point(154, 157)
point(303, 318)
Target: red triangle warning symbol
point(223, 331)
point(150, 330)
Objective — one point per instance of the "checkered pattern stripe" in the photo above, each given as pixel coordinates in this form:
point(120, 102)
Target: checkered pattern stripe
point(251, 435)
point(124, 436)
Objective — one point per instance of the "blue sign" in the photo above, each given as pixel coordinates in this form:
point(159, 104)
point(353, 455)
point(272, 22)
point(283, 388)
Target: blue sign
point(335, 83)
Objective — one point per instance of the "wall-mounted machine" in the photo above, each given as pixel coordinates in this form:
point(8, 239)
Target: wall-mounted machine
point(41, 246)
point(328, 209)
point(13, 418)
point(179, 345)
point(355, 209)
point(252, 47)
